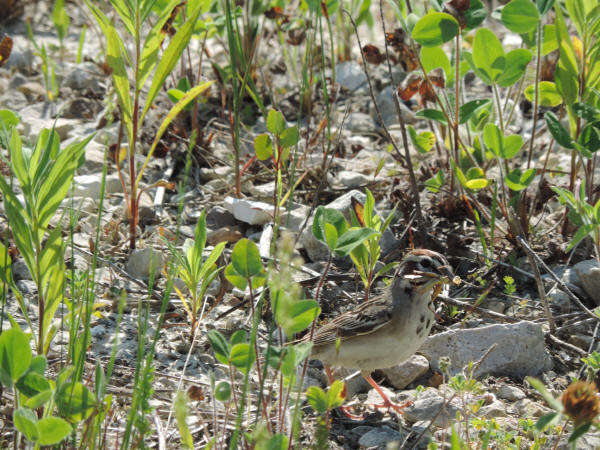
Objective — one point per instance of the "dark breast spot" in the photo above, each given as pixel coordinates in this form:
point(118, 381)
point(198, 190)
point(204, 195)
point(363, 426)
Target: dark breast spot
point(422, 318)
point(428, 322)
point(419, 330)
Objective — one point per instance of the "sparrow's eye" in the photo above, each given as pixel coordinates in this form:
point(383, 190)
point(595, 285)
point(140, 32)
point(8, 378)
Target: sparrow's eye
point(426, 263)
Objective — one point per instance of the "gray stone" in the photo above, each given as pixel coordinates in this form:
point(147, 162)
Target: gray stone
point(14, 100)
point(142, 261)
point(22, 60)
point(351, 179)
point(510, 393)
point(405, 373)
point(494, 409)
point(81, 108)
point(89, 185)
point(380, 437)
point(385, 102)
point(359, 123)
point(85, 77)
point(589, 278)
point(350, 75)
point(433, 408)
point(520, 349)
point(219, 217)
point(559, 299)
point(16, 81)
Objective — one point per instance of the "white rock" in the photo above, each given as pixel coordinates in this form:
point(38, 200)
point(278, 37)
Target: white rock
point(510, 393)
point(351, 179)
point(520, 349)
point(428, 408)
point(89, 185)
point(248, 211)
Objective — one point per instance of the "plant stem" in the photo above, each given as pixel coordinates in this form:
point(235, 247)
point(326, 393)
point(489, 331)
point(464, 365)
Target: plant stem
point(538, 66)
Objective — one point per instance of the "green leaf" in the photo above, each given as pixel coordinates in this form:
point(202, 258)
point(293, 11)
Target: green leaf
point(242, 356)
point(544, 6)
point(539, 386)
point(75, 401)
point(589, 138)
point(475, 15)
point(434, 57)
point(246, 259)
point(223, 391)
point(488, 56)
point(317, 399)
point(432, 114)
point(548, 95)
point(8, 119)
point(169, 58)
point(579, 431)
point(434, 29)
point(434, 183)
point(567, 72)
point(549, 43)
point(560, 135)
point(298, 317)
point(32, 384)
point(493, 139)
point(515, 66)
point(331, 236)
point(263, 146)
point(26, 421)
point(520, 16)
point(581, 233)
point(53, 430)
point(468, 109)
point(327, 215)
point(235, 278)
point(171, 115)
point(512, 145)
point(275, 122)
point(586, 111)
point(336, 395)
point(289, 137)
point(15, 353)
point(423, 142)
point(38, 400)
point(352, 239)
point(517, 180)
point(220, 346)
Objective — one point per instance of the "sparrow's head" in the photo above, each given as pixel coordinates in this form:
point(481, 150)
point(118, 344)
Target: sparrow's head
point(425, 270)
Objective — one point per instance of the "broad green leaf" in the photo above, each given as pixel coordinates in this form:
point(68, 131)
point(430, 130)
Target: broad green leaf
point(245, 258)
point(475, 179)
point(567, 81)
point(434, 57)
point(512, 145)
point(549, 43)
point(60, 19)
point(53, 430)
point(223, 391)
point(336, 395)
point(353, 238)
point(423, 142)
point(298, 317)
point(560, 135)
point(168, 60)
point(15, 353)
point(173, 112)
point(327, 215)
point(475, 15)
point(278, 441)
point(32, 384)
point(581, 233)
point(331, 236)
point(548, 95)
point(579, 431)
point(8, 119)
point(275, 122)
point(586, 111)
point(432, 114)
point(25, 421)
point(466, 111)
point(75, 401)
point(434, 29)
point(516, 64)
point(289, 137)
point(235, 278)
point(493, 139)
point(263, 146)
point(520, 16)
point(488, 56)
point(242, 356)
point(38, 400)
point(434, 183)
point(317, 399)
point(589, 138)
point(517, 180)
